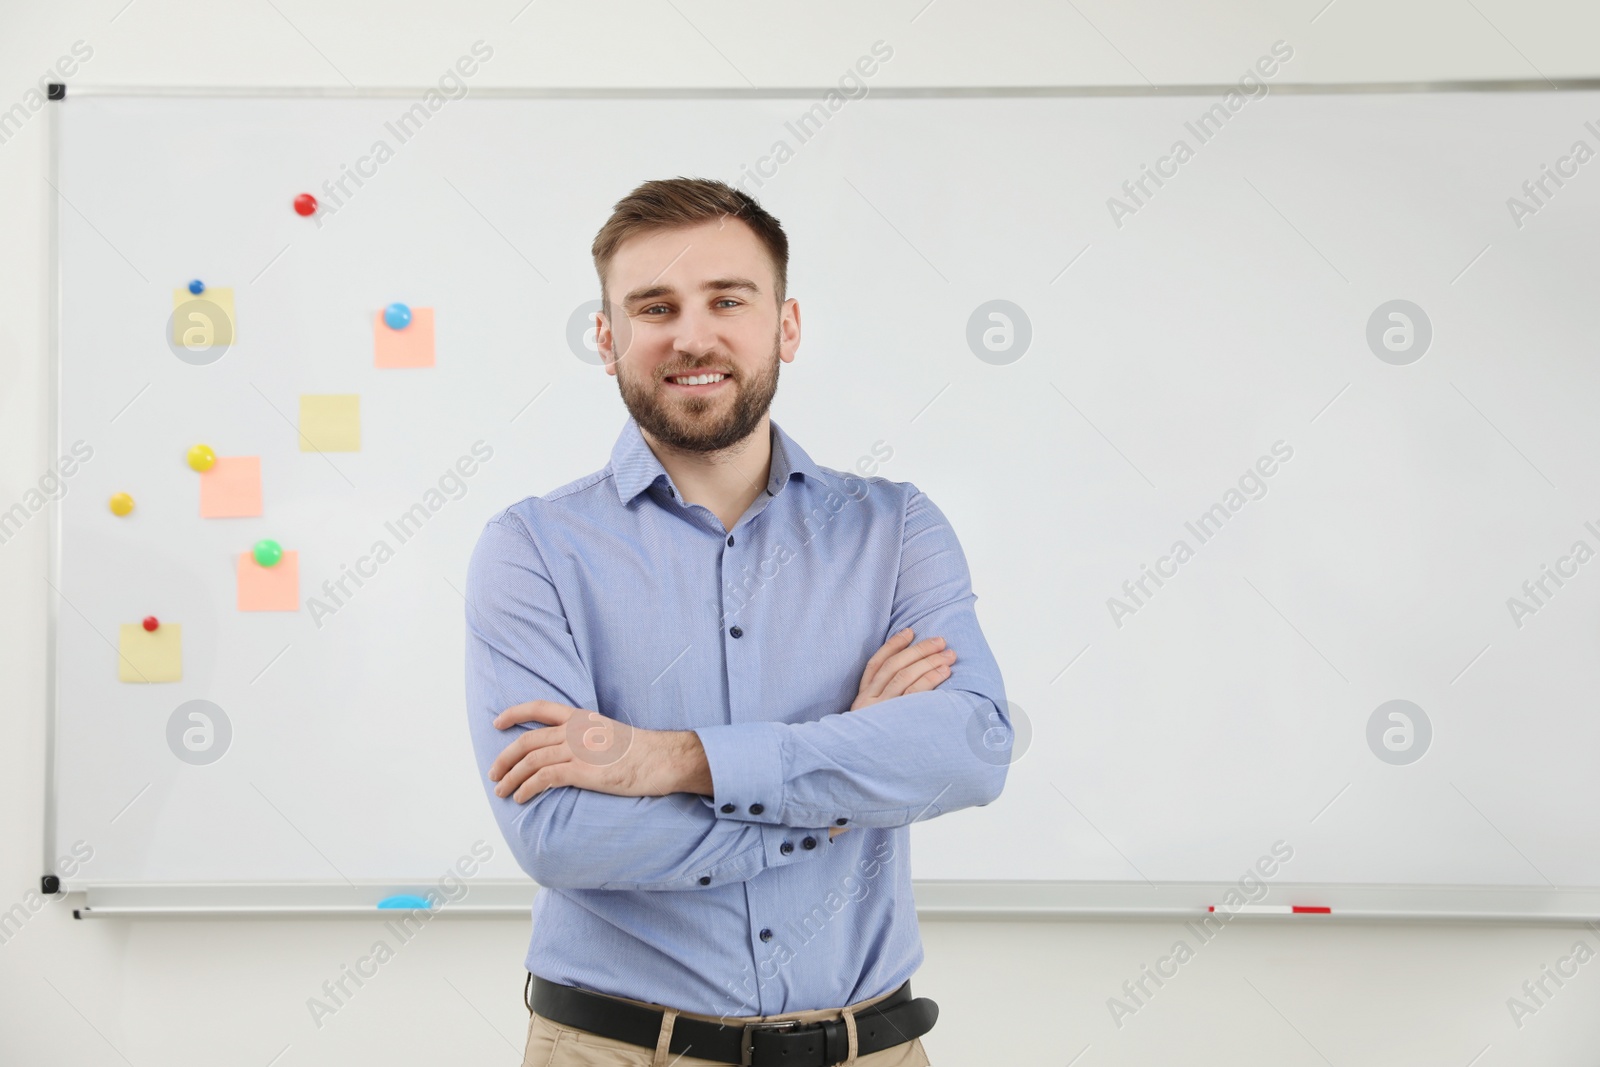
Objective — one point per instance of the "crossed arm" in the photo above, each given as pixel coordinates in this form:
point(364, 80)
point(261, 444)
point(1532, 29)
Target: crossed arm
point(591, 751)
point(587, 801)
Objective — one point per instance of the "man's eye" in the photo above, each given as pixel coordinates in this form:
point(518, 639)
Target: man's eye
point(727, 300)
point(653, 307)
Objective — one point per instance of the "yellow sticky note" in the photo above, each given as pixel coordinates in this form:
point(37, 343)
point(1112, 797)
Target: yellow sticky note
point(203, 320)
point(150, 655)
point(274, 588)
point(330, 422)
point(410, 347)
point(231, 489)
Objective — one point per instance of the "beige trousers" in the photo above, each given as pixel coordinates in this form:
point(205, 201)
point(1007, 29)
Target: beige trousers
point(552, 1045)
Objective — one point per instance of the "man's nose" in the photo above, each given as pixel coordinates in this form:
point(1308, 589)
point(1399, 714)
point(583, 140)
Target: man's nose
point(697, 333)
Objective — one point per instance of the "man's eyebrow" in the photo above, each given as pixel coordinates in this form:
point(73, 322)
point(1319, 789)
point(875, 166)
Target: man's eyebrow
point(712, 285)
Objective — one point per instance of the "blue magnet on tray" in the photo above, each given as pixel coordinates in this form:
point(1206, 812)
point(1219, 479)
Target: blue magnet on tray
point(397, 316)
point(404, 900)
point(197, 287)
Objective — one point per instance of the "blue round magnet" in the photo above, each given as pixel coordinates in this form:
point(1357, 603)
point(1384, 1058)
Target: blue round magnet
point(398, 316)
point(197, 287)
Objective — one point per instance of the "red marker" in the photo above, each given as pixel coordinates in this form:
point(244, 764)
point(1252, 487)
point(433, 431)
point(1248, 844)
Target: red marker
point(1274, 909)
point(305, 204)
point(150, 623)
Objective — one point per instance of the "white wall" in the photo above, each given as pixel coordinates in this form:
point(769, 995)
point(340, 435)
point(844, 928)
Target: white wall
point(190, 992)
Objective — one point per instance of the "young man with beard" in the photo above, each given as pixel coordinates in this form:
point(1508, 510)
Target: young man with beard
point(701, 655)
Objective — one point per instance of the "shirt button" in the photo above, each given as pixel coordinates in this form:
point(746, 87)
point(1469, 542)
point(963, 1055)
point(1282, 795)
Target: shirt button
point(737, 631)
point(727, 809)
point(840, 821)
point(786, 848)
point(730, 539)
point(809, 842)
point(766, 935)
point(757, 809)
point(705, 879)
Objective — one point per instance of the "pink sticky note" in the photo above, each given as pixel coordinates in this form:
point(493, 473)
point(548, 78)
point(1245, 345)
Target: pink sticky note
point(231, 489)
point(410, 347)
point(274, 588)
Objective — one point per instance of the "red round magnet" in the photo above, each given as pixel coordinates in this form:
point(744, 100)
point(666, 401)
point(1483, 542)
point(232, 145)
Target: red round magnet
point(150, 623)
point(305, 203)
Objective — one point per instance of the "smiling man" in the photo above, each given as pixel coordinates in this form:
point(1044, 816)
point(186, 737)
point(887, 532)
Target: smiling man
point(693, 692)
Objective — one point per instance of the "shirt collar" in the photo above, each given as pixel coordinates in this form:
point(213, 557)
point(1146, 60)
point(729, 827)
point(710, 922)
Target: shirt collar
point(635, 468)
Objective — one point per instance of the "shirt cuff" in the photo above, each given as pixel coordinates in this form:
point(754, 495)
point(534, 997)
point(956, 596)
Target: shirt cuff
point(746, 763)
point(785, 844)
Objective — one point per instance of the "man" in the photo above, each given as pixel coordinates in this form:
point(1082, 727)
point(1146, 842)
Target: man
point(701, 656)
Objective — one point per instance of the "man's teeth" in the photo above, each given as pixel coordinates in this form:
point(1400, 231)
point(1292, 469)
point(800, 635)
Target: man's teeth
point(699, 379)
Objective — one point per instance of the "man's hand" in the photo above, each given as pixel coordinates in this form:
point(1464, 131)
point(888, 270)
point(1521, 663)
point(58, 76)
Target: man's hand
point(899, 668)
point(586, 749)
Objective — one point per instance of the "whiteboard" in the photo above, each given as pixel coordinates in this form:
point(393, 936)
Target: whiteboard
point(1220, 328)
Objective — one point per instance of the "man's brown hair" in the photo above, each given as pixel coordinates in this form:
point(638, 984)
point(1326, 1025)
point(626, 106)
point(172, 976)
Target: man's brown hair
point(667, 203)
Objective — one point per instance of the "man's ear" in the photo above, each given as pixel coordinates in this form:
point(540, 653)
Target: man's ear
point(789, 330)
point(605, 343)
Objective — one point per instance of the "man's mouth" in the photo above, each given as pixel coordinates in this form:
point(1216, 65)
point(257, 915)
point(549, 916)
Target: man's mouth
point(697, 383)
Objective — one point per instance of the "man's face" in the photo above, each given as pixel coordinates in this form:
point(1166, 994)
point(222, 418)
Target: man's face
point(696, 300)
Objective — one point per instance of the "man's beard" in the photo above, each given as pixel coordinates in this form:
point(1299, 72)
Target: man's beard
point(679, 422)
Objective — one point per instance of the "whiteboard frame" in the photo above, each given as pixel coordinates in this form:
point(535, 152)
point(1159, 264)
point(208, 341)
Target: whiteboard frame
point(1510, 85)
point(936, 899)
point(950, 900)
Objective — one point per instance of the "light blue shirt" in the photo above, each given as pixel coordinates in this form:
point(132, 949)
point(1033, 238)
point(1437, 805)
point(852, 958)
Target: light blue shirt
point(612, 594)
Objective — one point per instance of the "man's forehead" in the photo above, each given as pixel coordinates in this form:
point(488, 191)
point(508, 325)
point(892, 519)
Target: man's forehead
point(685, 257)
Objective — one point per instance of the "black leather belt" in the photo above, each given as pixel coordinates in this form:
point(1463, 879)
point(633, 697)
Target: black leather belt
point(895, 1019)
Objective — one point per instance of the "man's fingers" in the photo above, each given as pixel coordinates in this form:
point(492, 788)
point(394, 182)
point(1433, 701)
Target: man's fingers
point(519, 772)
point(890, 647)
point(541, 711)
point(903, 673)
point(528, 768)
point(913, 655)
point(897, 661)
point(547, 777)
point(906, 675)
point(530, 741)
point(929, 681)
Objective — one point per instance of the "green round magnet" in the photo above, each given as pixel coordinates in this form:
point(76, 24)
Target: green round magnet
point(268, 552)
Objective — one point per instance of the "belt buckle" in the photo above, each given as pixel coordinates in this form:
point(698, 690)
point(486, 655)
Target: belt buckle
point(747, 1041)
